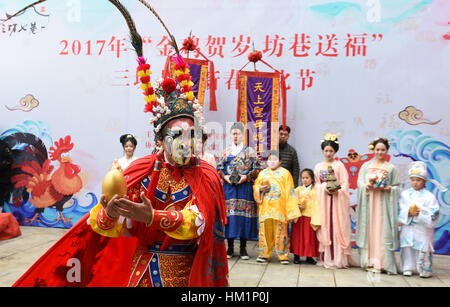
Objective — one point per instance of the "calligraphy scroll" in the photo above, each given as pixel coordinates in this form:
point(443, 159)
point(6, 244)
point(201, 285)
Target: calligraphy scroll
point(258, 104)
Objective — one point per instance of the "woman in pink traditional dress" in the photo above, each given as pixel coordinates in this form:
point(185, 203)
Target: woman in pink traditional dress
point(334, 234)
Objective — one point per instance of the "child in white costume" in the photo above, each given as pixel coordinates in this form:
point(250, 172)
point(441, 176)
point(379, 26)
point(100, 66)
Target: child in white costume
point(418, 213)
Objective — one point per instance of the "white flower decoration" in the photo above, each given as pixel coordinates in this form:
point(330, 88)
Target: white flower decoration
point(158, 128)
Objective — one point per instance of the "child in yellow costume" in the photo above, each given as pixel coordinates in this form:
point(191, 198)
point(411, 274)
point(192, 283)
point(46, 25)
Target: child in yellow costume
point(277, 205)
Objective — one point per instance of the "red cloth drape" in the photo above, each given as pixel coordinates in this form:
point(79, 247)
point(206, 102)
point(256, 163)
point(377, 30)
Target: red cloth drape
point(107, 261)
point(9, 227)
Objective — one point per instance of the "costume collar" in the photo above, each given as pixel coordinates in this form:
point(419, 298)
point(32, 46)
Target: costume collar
point(236, 149)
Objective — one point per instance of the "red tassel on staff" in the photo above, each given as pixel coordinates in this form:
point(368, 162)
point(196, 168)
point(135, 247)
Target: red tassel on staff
point(238, 112)
point(151, 189)
point(212, 87)
point(166, 70)
point(283, 100)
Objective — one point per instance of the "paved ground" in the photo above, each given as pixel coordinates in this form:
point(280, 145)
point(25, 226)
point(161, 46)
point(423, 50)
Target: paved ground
point(18, 254)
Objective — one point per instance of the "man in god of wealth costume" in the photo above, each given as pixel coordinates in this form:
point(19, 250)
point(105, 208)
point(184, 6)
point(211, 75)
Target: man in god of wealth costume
point(174, 200)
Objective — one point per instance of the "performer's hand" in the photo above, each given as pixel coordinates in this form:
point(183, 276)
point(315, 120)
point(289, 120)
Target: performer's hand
point(227, 178)
point(417, 212)
point(330, 192)
point(116, 165)
point(414, 211)
point(369, 186)
point(264, 188)
point(109, 207)
point(141, 212)
point(243, 179)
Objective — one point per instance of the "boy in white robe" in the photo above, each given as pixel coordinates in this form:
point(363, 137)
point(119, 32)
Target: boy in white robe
point(418, 214)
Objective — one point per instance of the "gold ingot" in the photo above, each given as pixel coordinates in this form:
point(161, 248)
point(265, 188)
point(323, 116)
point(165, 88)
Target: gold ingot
point(114, 183)
point(413, 210)
point(265, 183)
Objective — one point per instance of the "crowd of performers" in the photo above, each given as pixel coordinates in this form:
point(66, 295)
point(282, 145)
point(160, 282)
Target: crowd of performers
point(171, 227)
point(178, 210)
point(313, 219)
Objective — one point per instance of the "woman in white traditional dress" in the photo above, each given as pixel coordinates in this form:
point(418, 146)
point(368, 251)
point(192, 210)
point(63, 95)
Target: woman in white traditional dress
point(129, 144)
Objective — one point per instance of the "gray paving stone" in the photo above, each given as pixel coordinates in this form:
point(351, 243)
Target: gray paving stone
point(18, 254)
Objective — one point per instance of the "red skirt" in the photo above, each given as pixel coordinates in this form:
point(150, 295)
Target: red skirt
point(304, 241)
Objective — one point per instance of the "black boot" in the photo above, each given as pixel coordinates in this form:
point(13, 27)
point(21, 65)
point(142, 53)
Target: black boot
point(243, 250)
point(296, 259)
point(311, 260)
point(230, 250)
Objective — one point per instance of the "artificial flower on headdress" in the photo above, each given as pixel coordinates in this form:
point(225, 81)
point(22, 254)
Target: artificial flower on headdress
point(183, 77)
point(143, 71)
point(330, 137)
point(169, 100)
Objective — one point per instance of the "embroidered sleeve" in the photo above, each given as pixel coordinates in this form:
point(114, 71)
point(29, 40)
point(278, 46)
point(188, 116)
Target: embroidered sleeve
point(429, 213)
point(102, 224)
point(256, 188)
point(186, 224)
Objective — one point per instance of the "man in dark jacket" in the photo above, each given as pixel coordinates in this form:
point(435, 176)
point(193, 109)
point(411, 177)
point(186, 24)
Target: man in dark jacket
point(288, 155)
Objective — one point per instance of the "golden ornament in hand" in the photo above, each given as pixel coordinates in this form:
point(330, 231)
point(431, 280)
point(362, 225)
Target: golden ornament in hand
point(413, 210)
point(114, 183)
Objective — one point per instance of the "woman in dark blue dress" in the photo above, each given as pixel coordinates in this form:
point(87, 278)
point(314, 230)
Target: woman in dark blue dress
point(238, 169)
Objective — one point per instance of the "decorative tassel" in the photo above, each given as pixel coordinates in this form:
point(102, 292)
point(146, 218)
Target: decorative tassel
point(166, 70)
point(238, 111)
point(283, 100)
point(212, 87)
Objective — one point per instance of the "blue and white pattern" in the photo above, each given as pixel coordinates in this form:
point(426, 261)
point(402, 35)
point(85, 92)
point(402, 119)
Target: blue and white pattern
point(417, 146)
